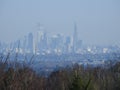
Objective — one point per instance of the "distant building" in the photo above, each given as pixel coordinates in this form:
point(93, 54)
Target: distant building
point(30, 43)
point(67, 45)
point(56, 43)
point(24, 44)
point(41, 41)
point(75, 38)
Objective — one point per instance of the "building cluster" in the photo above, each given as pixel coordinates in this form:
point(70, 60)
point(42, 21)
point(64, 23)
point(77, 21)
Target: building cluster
point(41, 43)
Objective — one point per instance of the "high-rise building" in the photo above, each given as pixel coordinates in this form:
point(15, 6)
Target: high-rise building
point(30, 42)
point(75, 38)
point(44, 42)
point(24, 43)
point(41, 41)
point(67, 45)
point(56, 43)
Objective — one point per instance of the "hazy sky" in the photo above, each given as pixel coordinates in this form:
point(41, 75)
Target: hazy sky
point(98, 21)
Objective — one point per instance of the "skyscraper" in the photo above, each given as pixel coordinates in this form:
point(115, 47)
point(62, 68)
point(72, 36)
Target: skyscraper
point(75, 38)
point(30, 42)
point(67, 44)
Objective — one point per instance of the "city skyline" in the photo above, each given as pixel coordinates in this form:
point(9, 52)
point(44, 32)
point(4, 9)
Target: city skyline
point(40, 42)
point(98, 21)
point(41, 30)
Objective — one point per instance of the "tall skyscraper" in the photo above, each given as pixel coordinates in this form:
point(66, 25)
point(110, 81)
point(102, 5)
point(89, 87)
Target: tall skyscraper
point(75, 38)
point(41, 40)
point(37, 38)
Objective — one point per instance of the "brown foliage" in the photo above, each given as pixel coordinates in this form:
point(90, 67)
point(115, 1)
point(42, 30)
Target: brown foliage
point(15, 77)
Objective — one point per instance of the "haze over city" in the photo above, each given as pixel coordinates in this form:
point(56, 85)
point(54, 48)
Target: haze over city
point(98, 21)
point(59, 44)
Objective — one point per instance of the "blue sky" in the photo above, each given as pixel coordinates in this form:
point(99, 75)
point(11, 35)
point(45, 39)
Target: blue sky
point(98, 21)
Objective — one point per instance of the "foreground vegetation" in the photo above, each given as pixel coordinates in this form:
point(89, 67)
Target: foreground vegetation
point(14, 76)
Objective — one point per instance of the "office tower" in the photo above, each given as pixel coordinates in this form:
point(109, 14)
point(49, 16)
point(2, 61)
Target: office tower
point(39, 35)
point(67, 45)
point(56, 43)
point(24, 44)
point(39, 38)
point(44, 41)
point(30, 43)
point(75, 38)
point(41, 41)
